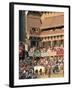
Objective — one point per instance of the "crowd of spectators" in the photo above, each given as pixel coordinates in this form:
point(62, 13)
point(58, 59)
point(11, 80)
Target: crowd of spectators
point(52, 64)
point(56, 50)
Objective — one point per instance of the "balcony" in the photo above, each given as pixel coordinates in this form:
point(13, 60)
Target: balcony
point(47, 33)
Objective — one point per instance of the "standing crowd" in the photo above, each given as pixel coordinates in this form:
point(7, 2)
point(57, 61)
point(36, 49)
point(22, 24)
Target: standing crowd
point(52, 64)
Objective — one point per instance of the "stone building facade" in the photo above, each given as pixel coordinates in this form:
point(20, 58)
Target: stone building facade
point(45, 28)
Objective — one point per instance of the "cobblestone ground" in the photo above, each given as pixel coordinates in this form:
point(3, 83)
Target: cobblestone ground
point(60, 74)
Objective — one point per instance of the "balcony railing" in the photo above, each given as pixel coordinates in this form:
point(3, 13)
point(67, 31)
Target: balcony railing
point(47, 33)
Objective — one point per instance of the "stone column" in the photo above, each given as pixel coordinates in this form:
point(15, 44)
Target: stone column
point(27, 34)
point(22, 32)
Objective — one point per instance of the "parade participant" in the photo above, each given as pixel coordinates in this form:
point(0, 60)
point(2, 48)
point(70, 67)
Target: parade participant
point(49, 70)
